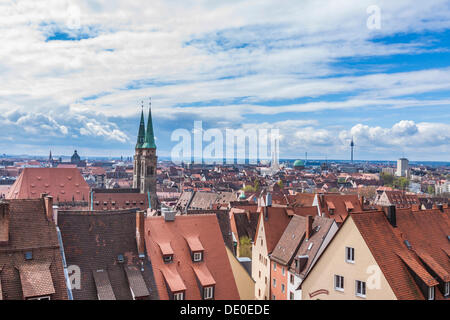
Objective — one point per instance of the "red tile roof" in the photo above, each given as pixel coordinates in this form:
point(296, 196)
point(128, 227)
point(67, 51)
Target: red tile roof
point(30, 230)
point(274, 225)
point(182, 273)
point(340, 204)
point(64, 185)
point(397, 263)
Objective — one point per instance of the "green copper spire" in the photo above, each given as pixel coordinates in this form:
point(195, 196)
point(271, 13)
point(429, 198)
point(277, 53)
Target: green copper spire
point(149, 142)
point(141, 134)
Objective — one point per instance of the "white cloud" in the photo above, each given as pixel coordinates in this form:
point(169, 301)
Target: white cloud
point(231, 56)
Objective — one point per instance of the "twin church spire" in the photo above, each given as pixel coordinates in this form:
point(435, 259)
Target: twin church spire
point(146, 139)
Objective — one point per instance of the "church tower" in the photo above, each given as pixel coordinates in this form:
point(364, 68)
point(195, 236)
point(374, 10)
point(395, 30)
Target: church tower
point(145, 161)
point(138, 153)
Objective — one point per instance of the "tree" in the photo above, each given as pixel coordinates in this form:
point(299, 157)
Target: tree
point(430, 189)
point(245, 247)
point(280, 184)
point(387, 179)
point(369, 193)
point(256, 185)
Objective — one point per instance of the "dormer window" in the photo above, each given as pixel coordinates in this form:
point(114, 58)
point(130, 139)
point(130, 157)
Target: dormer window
point(178, 296)
point(208, 293)
point(430, 293)
point(198, 256)
point(168, 258)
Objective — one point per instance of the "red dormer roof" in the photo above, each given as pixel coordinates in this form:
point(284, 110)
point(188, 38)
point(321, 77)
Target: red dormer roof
point(183, 274)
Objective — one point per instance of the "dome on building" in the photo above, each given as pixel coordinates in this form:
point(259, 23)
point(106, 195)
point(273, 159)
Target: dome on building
point(75, 157)
point(242, 196)
point(299, 163)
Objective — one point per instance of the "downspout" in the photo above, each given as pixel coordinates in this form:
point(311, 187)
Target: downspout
point(66, 273)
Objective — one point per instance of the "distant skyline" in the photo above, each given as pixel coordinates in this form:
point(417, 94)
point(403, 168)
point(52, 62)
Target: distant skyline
point(74, 73)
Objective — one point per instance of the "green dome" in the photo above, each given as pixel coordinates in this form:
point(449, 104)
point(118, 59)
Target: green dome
point(299, 163)
point(242, 196)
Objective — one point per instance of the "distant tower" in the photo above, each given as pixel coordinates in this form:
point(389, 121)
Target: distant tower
point(352, 145)
point(145, 160)
point(402, 167)
point(50, 157)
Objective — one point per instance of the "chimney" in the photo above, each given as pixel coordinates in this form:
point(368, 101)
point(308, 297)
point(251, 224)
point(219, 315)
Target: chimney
point(392, 216)
point(268, 199)
point(55, 214)
point(266, 213)
point(169, 216)
point(48, 203)
point(361, 199)
point(4, 220)
point(308, 230)
point(140, 231)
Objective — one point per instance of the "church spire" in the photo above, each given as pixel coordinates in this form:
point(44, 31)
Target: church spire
point(149, 142)
point(141, 134)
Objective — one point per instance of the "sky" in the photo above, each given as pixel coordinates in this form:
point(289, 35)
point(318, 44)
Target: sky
point(73, 74)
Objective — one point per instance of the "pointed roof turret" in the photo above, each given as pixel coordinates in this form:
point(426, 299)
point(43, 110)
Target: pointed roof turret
point(141, 134)
point(149, 142)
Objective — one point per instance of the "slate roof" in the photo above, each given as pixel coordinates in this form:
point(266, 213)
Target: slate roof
point(93, 240)
point(274, 224)
point(292, 243)
point(30, 231)
point(244, 222)
point(183, 273)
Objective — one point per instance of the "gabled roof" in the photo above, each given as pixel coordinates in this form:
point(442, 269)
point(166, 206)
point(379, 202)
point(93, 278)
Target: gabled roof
point(93, 240)
point(183, 273)
point(340, 204)
point(64, 185)
point(30, 231)
point(274, 225)
point(290, 241)
point(391, 255)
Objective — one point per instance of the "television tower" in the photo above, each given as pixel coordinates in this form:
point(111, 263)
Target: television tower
point(352, 145)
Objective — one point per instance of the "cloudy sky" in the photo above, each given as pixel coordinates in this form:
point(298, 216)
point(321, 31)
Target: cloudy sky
point(73, 74)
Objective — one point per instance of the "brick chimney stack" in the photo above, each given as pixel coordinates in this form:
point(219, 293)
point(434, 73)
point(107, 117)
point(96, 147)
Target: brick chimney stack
point(309, 222)
point(48, 202)
point(4, 222)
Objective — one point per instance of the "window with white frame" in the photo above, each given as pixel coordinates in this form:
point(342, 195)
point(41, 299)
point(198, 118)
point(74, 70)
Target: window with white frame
point(350, 254)
point(274, 283)
point(208, 293)
point(360, 288)
point(430, 293)
point(339, 283)
point(274, 266)
point(198, 256)
point(178, 296)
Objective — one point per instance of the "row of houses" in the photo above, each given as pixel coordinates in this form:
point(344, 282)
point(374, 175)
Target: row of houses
point(46, 253)
point(383, 253)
